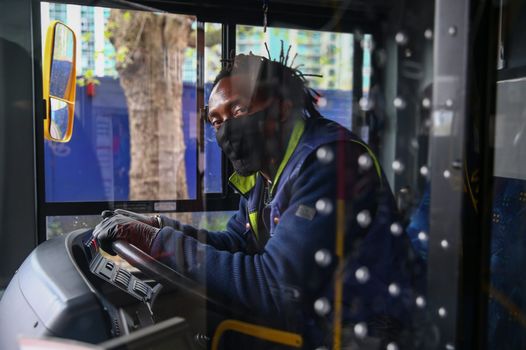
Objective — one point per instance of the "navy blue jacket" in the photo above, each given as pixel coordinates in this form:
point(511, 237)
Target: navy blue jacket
point(316, 197)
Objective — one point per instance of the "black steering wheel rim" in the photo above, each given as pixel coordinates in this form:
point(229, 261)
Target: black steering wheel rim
point(157, 270)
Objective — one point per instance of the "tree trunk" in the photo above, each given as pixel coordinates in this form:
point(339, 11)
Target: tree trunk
point(150, 52)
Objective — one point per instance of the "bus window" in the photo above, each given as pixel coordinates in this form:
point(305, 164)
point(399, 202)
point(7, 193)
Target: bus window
point(136, 116)
point(213, 177)
point(328, 56)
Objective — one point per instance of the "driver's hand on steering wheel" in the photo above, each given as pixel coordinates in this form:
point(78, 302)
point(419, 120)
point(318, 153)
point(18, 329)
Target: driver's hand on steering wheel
point(121, 227)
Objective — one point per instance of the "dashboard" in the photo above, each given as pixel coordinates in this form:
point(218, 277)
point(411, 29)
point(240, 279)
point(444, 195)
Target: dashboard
point(66, 288)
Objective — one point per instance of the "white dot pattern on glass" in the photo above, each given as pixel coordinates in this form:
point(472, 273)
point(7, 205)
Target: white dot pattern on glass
point(365, 104)
point(365, 162)
point(452, 30)
point(323, 257)
point(394, 289)
point(447, 174)
point(426, 102)
point(325, 155)
point(399, 103)
point(391, 346)
point(322, 306)
point(422, 236)
point(324, 206)
point(362, 274)
point(360, 330)
point(428, 34)
point(424, 171)
point(398, 166)
point(396, 229)
point(401, 38)
point(363, 218)
point(442, 312)
point(444, 244)
point(420, 301)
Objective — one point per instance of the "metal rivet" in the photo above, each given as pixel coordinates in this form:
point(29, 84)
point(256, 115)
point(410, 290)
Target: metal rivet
point(362, 274)
point(422, 236)
point(323, 258)
point(442, 312)
point(447, 174)
point(449, 102)
point(452, 30)
point(324, 206)
point(444, 244)
point(276, 220)
point(360, 329)
point(394, 289)
point(322, 306)
point(247, 225)
point(420, 301)
point(363, 218)
point(450, 346)
point(428, 34)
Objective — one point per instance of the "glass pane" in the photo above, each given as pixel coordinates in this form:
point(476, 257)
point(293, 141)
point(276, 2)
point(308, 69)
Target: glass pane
point(134, 134)
point(61, 225)
point(320, 53)
point(507, 304)
point(59, 118)
point(62, 61)
point(213, 180)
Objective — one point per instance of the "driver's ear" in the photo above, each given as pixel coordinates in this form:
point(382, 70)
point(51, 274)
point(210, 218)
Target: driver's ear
point(285, 109)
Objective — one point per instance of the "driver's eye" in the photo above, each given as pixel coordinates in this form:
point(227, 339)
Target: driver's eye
point(240, 110)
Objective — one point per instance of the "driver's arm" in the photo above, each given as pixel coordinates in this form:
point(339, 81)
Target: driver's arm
point(232, 239)
point(271, 282)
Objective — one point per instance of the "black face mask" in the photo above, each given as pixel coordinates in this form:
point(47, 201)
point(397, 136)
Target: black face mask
point(244, 141)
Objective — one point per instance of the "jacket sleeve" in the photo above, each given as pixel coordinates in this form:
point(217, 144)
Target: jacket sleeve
point(285, 272)
point(232, 239)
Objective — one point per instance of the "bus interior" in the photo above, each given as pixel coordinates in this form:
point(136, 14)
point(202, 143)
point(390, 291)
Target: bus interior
point(435, 88)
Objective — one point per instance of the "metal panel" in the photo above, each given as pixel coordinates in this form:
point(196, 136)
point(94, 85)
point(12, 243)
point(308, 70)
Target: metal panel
point(17, 144)
point(447, 152)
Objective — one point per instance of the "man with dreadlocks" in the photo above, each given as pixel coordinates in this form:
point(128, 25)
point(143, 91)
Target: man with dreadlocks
point(315, 243)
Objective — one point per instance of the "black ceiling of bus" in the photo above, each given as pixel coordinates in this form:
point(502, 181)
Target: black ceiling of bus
point(331, 14)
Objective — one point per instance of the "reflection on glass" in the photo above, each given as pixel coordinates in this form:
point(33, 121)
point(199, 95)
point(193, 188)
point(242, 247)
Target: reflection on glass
point(327, 54)
point(213, 182)
point(59, 118)
point(136, 132)
point(507, 304)
point(62, 61)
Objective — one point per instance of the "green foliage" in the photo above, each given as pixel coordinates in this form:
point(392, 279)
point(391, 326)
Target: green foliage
point(88, 78)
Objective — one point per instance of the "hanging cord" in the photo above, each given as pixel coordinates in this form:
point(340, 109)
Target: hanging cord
point(265, 15)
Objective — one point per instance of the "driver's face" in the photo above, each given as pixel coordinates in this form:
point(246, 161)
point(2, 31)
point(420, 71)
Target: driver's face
point(233, 97)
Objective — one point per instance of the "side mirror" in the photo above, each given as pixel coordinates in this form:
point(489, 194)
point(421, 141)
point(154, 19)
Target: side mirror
point(59, 78)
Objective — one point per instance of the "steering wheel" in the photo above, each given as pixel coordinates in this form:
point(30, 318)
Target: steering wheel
point(160, 272)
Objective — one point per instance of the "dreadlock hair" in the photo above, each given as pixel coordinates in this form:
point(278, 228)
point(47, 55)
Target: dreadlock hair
point(275, 78)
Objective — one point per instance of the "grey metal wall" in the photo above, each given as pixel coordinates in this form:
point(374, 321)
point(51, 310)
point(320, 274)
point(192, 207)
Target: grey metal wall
point(17, 139)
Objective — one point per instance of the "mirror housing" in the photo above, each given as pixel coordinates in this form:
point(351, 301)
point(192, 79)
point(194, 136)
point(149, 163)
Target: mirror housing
point(59, 82)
